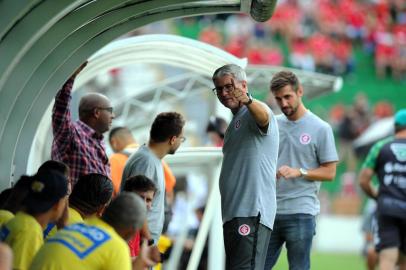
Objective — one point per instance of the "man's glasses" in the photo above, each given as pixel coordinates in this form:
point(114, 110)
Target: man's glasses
point(227, 87)
point(109, 109)
point(182, 139)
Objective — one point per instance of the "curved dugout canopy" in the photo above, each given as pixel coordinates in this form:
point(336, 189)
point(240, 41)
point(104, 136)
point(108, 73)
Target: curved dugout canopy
point(42, 42)
point(196, 58)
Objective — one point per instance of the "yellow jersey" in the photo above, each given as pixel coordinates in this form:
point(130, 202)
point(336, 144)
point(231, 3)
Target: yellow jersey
point(84, 246)
point(5, 216)
point(73, 217)
point(24, 235)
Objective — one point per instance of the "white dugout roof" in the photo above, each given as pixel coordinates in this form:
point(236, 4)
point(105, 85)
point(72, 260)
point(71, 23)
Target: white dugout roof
point(42, 43)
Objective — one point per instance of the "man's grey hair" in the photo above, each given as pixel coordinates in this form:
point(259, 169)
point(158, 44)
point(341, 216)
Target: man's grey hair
point(128, 210)
point(235, 71)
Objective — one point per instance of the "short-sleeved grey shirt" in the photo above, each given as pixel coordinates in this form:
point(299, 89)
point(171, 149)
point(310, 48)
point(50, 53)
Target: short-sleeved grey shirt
point(305, 143)
point(144, 162)
point(248, 173)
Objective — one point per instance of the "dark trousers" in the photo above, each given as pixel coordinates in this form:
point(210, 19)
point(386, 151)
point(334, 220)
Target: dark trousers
point(246, 243)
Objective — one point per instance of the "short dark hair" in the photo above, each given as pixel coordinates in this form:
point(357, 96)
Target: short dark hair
point(54, 165)
point(139, 183)
point(92, 191)
point(283, 78)
point(117, 130)
point(166, 125)
point(127, 210)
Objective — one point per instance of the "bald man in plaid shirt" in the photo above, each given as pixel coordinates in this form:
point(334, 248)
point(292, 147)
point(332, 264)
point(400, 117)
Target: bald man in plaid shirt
point(79, 144)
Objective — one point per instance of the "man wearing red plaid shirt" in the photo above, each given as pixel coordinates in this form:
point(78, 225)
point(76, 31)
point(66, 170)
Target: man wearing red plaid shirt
point(79, 144)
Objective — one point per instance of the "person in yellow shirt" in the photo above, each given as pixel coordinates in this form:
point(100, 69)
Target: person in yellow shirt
point(13, 199)
point(99, 243)
point(44, 203)
point(61, 167)
point(84, 204)
point(5, 215)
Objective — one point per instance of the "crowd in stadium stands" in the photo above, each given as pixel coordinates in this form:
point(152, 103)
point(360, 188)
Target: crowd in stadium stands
point(320, 35)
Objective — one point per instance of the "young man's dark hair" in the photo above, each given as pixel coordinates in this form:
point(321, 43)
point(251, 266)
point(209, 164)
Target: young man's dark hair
point(139, 183)
point(283, 78)
point(91, 192)
point(165, 126)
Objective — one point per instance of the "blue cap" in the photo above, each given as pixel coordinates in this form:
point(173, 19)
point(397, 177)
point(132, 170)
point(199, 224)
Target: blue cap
point(400, 118)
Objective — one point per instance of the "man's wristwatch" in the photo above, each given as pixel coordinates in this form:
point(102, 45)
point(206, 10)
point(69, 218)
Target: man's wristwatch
point(150, 242)
point(303, 172)
point(249, 99)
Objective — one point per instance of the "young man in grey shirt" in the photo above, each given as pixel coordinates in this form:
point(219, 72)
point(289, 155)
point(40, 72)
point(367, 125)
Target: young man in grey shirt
point(307, 156)
point(166, 135)
point(247, 179)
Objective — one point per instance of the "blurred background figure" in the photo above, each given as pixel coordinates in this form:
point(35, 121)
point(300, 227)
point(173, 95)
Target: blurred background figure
point(189, 243)
point(368, 221)
point(123, 144)
point(216, 129)
point(145, 188)
point(387, 160)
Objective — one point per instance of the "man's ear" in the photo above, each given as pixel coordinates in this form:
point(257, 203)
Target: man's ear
point(113, 143)
point(300, 91)
point(172, 140)
point(244, 85)
point(100, 211)
point(96, 113)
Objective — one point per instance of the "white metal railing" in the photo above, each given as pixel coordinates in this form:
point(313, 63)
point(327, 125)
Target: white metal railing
point(208, 158)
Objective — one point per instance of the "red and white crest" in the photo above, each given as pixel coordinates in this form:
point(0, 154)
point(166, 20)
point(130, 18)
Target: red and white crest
point(244, 230)
point(305, 138)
